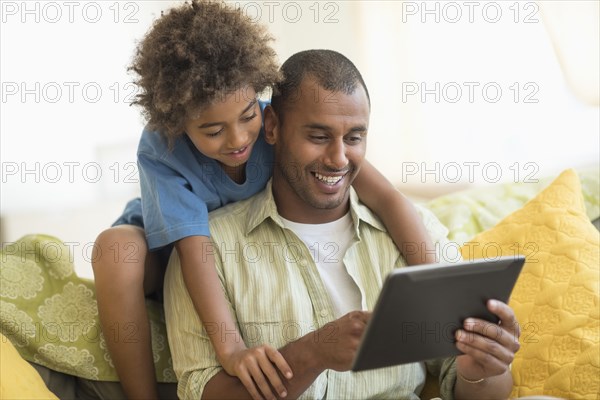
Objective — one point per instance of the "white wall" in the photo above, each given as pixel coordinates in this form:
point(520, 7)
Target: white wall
point(64, 138)
point(499, 49)
point(68, 135)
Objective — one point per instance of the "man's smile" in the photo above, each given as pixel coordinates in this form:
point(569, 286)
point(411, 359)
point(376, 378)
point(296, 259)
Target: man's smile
point(330, 180)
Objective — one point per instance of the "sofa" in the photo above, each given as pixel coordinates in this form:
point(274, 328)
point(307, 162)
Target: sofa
point(48, 315)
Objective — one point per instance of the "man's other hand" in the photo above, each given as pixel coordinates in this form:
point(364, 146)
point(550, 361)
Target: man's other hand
point(488, 348)
point(336, 343)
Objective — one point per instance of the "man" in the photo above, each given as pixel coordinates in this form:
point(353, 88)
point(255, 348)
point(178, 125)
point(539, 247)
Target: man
point(299, 259)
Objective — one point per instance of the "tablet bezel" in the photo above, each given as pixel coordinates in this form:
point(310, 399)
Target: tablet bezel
point(420, 308)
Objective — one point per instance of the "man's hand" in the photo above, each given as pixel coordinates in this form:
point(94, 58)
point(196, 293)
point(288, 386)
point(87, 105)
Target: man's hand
point(337, 342)
point(255, 366)
point(488, 349)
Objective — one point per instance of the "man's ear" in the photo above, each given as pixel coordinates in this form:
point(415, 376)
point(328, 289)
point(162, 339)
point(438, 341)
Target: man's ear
point(271, 122)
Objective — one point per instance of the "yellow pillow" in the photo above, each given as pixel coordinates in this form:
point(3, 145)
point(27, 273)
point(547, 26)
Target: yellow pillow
point(556, 297)
point(18, 379)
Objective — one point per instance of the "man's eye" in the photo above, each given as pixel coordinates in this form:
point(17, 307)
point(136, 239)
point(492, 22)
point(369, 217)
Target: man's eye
point(354, 139)
point(318, 138)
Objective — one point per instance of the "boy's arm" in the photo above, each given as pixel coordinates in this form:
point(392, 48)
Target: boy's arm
point(309, 357)
point(300, 356)
point(204, 287)
point(251, 366)
point(397, 213)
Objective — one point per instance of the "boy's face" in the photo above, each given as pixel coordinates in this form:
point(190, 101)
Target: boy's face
point(320, 144)
point(227, 129)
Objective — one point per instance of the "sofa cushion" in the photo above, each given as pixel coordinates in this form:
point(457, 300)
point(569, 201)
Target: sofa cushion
point(18, 379)
point(51, 316)
point(469, 212)
point(556, 297)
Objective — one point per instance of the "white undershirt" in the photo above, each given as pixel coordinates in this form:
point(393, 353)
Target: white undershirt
point(327, 244)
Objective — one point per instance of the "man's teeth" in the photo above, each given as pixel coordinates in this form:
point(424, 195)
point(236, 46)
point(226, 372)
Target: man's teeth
point(238, 151)
point(330, 180)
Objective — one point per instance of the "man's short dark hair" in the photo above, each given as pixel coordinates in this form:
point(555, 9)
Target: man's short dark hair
point(330, 69)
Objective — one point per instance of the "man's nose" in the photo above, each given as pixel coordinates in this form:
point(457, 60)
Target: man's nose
point(336, 155)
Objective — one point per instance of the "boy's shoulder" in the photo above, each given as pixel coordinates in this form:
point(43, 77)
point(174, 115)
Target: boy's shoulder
point(153, 142)
point(155, 145)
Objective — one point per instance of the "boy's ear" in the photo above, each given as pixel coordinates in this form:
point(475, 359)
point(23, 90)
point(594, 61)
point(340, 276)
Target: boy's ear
point(271, 122)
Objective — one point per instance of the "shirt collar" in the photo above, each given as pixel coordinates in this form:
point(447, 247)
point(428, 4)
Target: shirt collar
point(263, 208)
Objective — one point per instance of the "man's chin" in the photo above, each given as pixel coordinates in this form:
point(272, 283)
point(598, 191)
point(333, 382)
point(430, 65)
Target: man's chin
point(329, 202)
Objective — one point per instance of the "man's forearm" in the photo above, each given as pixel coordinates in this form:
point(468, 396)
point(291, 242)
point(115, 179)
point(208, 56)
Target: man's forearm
point(301, 357)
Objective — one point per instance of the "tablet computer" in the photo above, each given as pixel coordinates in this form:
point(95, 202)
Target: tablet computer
point(420, 308)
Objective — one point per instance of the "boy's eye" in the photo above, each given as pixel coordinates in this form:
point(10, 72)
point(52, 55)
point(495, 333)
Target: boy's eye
point(214, 134)
point(250, 117)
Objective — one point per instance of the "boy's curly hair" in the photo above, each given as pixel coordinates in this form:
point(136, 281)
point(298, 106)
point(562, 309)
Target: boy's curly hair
point(194, 53)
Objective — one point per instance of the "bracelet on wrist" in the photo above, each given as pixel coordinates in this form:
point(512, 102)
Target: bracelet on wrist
point(462, 378)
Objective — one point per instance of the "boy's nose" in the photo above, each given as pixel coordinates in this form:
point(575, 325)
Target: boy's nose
point(237, 138)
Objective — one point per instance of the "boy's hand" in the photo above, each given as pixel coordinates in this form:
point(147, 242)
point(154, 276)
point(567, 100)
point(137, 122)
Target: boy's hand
point(253, 365)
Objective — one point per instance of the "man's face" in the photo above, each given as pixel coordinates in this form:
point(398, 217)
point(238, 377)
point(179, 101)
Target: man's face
point(320, 143)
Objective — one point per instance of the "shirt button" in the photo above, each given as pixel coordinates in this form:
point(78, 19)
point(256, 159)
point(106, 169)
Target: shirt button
point(303, 263)
point(324, 313)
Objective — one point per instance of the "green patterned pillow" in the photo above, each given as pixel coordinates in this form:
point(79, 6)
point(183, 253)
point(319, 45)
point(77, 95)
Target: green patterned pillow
point(469, 212)
point(51, 317)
